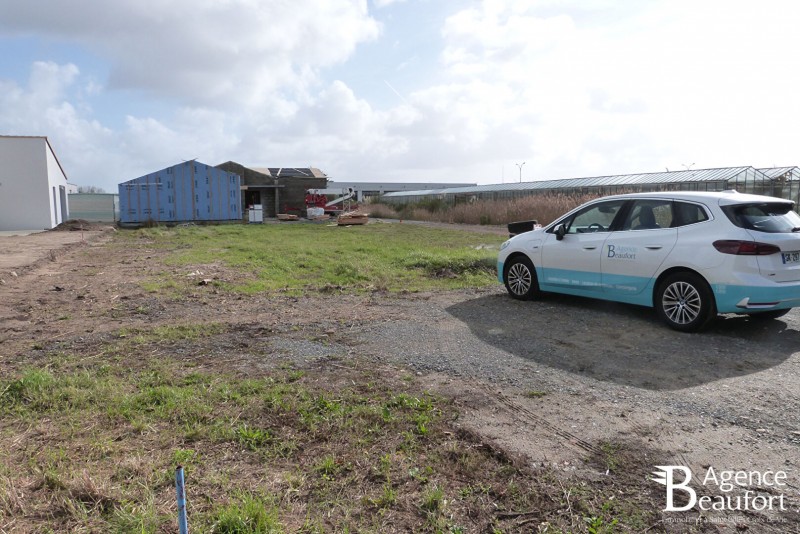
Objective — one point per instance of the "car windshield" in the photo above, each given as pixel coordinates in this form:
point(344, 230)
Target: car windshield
point(773, 218)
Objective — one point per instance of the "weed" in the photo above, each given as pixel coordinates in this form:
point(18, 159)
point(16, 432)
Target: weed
point(253, 438)
point(477, 489)
point(610, 455)
point(388, 496)
point(33, 389)
point(433, 499)
point(247, 514)
point(130, 518)
point(294, 376)
point(599, 525)
point(385, 466)
point(184, 457)
point(420, 475)
point(327, 467)
point(422, 420)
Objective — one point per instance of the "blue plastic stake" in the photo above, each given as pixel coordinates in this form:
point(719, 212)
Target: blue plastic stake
point(180, 489)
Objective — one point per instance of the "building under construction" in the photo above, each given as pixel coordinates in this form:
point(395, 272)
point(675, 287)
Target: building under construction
point(276, 189)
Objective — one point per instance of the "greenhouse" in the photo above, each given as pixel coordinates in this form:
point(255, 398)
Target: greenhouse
point(782, 182)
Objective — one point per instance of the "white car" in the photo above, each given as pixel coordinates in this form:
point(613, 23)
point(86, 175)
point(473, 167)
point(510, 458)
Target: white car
point(691, 255)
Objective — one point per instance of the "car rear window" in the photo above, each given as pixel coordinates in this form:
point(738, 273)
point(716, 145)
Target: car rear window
point(773, 217)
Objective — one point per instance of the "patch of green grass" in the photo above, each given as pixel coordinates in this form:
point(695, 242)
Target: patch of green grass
point(161, 284)
point(253, 438)
point(273, 450)
point(247, 514)
point(602, 523)
point(34, 389)
point(387, 498)
point(184, 457)
point(433, 499)
point(133, 518)
point(327, 467)
point(610, 458)
point(301, 257)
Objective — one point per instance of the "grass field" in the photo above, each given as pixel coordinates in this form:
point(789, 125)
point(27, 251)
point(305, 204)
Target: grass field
point(94, 423)
point(297, 257)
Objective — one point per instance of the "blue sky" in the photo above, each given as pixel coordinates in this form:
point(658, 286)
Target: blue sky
point(403, 90)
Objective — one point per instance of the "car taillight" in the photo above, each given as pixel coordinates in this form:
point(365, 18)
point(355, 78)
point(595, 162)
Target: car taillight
point(745, 248)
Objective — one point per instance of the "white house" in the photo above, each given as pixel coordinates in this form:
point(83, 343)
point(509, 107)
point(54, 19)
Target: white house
point(33, 186)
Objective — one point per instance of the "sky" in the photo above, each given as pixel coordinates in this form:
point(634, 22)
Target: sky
point(404, 90)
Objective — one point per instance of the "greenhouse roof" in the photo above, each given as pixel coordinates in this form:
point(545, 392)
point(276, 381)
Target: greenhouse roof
point(791, 173)
point(666, 177)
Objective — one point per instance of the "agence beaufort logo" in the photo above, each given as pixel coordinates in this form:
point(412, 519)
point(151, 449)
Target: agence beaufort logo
point(727, 486)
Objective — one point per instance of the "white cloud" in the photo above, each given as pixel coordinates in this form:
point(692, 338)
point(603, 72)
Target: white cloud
point(384, 3)
point(208, 52)
point(651, 86)
point(572, 88)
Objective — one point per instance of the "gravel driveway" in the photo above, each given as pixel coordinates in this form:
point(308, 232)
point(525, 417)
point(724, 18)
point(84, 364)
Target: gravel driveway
point(560, 376)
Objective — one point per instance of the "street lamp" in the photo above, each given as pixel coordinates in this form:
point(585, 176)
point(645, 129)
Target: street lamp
point(520, 170)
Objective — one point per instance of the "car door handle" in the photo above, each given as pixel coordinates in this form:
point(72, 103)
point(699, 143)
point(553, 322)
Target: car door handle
point(654, 247)
point(590, 248)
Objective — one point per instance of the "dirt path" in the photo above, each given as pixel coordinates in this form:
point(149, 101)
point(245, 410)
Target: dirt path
point(560, 381)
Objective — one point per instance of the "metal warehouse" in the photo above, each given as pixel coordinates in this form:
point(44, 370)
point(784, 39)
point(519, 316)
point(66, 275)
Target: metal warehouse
point(188, 192)
point(33, 185)
point(781, 182)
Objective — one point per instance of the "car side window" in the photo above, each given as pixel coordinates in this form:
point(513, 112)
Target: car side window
point(649, 215)
point(687, 213)
point(596, 218)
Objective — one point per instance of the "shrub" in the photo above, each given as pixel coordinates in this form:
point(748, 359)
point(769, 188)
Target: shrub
point(544, 208)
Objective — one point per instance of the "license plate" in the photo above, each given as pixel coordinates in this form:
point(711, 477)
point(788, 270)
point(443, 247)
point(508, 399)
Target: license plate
point(791, 257)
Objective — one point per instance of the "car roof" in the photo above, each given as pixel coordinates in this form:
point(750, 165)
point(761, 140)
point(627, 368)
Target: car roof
point(722, 198)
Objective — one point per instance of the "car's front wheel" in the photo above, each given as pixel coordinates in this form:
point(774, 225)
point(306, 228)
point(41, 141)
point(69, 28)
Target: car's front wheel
point(520, 278)
point(685, 302)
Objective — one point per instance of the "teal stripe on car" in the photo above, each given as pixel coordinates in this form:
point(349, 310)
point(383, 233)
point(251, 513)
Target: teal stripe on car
point(619, 288)
point(728, 296)
point(639, 290)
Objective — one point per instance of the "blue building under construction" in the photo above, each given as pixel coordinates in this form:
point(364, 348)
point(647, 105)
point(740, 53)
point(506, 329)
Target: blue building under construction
point(187, 192)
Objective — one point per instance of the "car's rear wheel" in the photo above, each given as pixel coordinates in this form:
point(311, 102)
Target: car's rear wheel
point(685, 302)
point(520, 278)
point(771, 314)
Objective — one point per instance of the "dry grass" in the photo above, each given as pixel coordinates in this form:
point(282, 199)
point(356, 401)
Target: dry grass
point(543, 208)
point(350, 448)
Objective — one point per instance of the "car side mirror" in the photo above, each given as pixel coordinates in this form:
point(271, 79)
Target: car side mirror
point(560, 230)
